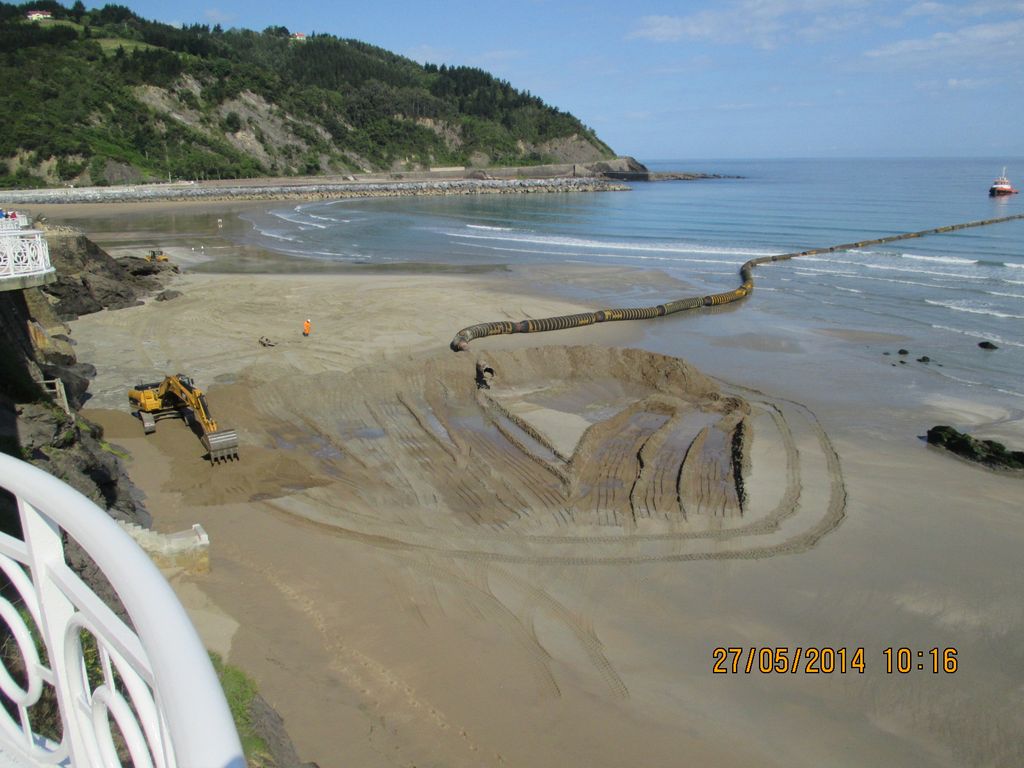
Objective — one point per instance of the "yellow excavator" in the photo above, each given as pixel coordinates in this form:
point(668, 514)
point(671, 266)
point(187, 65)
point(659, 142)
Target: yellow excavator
point(177, 397)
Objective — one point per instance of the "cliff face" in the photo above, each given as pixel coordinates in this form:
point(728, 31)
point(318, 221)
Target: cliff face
point(35, 346)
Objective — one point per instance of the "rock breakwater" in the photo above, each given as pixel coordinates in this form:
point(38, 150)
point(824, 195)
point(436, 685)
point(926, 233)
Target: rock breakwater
point(215, 191)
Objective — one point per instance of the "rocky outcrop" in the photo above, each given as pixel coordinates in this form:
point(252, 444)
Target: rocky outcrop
point(621, 168)
point(72, 449)
point(987, 452)
point(36, 347)
point(89, 279)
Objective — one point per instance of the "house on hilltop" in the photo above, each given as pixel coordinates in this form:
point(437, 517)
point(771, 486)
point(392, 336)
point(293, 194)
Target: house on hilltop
point(38, 15)
point(298, 37)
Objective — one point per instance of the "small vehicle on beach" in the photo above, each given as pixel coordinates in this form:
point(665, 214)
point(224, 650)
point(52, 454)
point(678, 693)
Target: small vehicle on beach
point(1001, 186)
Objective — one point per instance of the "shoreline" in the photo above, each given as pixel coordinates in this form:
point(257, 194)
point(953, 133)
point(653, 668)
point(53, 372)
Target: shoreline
point(410, 649)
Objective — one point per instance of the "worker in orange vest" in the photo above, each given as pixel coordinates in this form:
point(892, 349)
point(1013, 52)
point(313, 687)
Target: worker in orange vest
point(306, 327)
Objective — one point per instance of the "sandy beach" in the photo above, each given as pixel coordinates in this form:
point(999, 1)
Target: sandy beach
point(420, 572)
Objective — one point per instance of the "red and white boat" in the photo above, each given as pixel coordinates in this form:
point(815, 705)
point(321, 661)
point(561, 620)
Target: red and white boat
point(1001, 186)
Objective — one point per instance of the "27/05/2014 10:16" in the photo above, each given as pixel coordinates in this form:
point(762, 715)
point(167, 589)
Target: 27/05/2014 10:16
point(828, 660)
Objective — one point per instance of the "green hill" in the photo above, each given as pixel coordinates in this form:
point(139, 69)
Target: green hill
point(103, 96)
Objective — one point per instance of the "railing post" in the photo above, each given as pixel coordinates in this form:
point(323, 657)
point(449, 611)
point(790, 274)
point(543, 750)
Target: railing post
point(158, 686)
point(45, 554)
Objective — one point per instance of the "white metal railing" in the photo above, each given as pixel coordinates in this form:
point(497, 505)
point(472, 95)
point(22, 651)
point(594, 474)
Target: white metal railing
point(156, 683)
point(15, 222)
point(23, 252)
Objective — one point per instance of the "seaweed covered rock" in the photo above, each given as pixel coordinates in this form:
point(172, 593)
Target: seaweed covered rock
point(987, 452)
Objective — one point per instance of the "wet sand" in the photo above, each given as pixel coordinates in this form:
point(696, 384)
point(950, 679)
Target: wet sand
point(419, 572)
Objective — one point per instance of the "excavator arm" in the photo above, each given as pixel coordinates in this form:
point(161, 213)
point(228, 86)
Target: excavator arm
point(176, 396)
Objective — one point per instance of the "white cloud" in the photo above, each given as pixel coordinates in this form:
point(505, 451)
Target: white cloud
point(977, 43)
point(965, 83)
point(491, 57)
point(687, 67)
point(428, 54)
point(217, 16)
point(762, 23)
point(965, 10)
point(735, 106)
point(955, 84)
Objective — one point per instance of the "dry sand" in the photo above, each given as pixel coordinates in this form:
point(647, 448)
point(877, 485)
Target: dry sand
point(418, 572)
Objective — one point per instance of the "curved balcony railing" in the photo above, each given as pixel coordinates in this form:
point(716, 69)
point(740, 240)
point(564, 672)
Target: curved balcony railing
point(15, 224)
point(151, 690)
point(23, 252)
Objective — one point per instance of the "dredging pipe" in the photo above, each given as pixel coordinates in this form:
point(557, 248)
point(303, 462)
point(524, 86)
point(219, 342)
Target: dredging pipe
point(466, 335)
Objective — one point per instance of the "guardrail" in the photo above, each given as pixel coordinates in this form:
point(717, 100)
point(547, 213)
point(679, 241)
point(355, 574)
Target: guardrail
point(15, 224)
point(153, 684)
point(23, 253)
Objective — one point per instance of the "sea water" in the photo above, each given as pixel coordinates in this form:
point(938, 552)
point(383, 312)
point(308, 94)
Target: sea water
point(944, 293)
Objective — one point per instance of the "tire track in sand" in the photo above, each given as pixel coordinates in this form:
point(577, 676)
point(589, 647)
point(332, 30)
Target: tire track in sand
point(384, 689)
point(490, 507)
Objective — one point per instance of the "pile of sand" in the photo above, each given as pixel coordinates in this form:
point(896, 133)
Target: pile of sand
point(620, 447)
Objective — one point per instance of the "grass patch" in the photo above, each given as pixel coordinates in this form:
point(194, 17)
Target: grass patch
point(105, 446)
point(240, 690)
point(109, 45)
point(60, 23)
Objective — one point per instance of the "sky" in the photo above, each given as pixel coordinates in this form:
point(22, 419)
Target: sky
point(711, 80)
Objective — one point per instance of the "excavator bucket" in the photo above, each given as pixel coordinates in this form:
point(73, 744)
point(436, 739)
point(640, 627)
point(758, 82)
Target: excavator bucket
point(222, 445)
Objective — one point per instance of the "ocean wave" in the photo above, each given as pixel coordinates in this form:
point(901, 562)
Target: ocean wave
point(324, 255)
point(1009, 392)
point(973, 310)
point(889, 268)
point(276, 235)
point(897, 281)
point(1008, 295)
point(811, 271)
point(971, 382)
point(621, 256)
point(680, 263)
point(979, 335)
point(532, 250)
point(328, 218)
point(939, 259)
point(489, 228)
point(578, 242)
point(882, 267)
point(301, 219)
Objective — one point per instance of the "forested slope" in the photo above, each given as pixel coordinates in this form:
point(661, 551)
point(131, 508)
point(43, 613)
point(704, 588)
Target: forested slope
point(104, 96)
